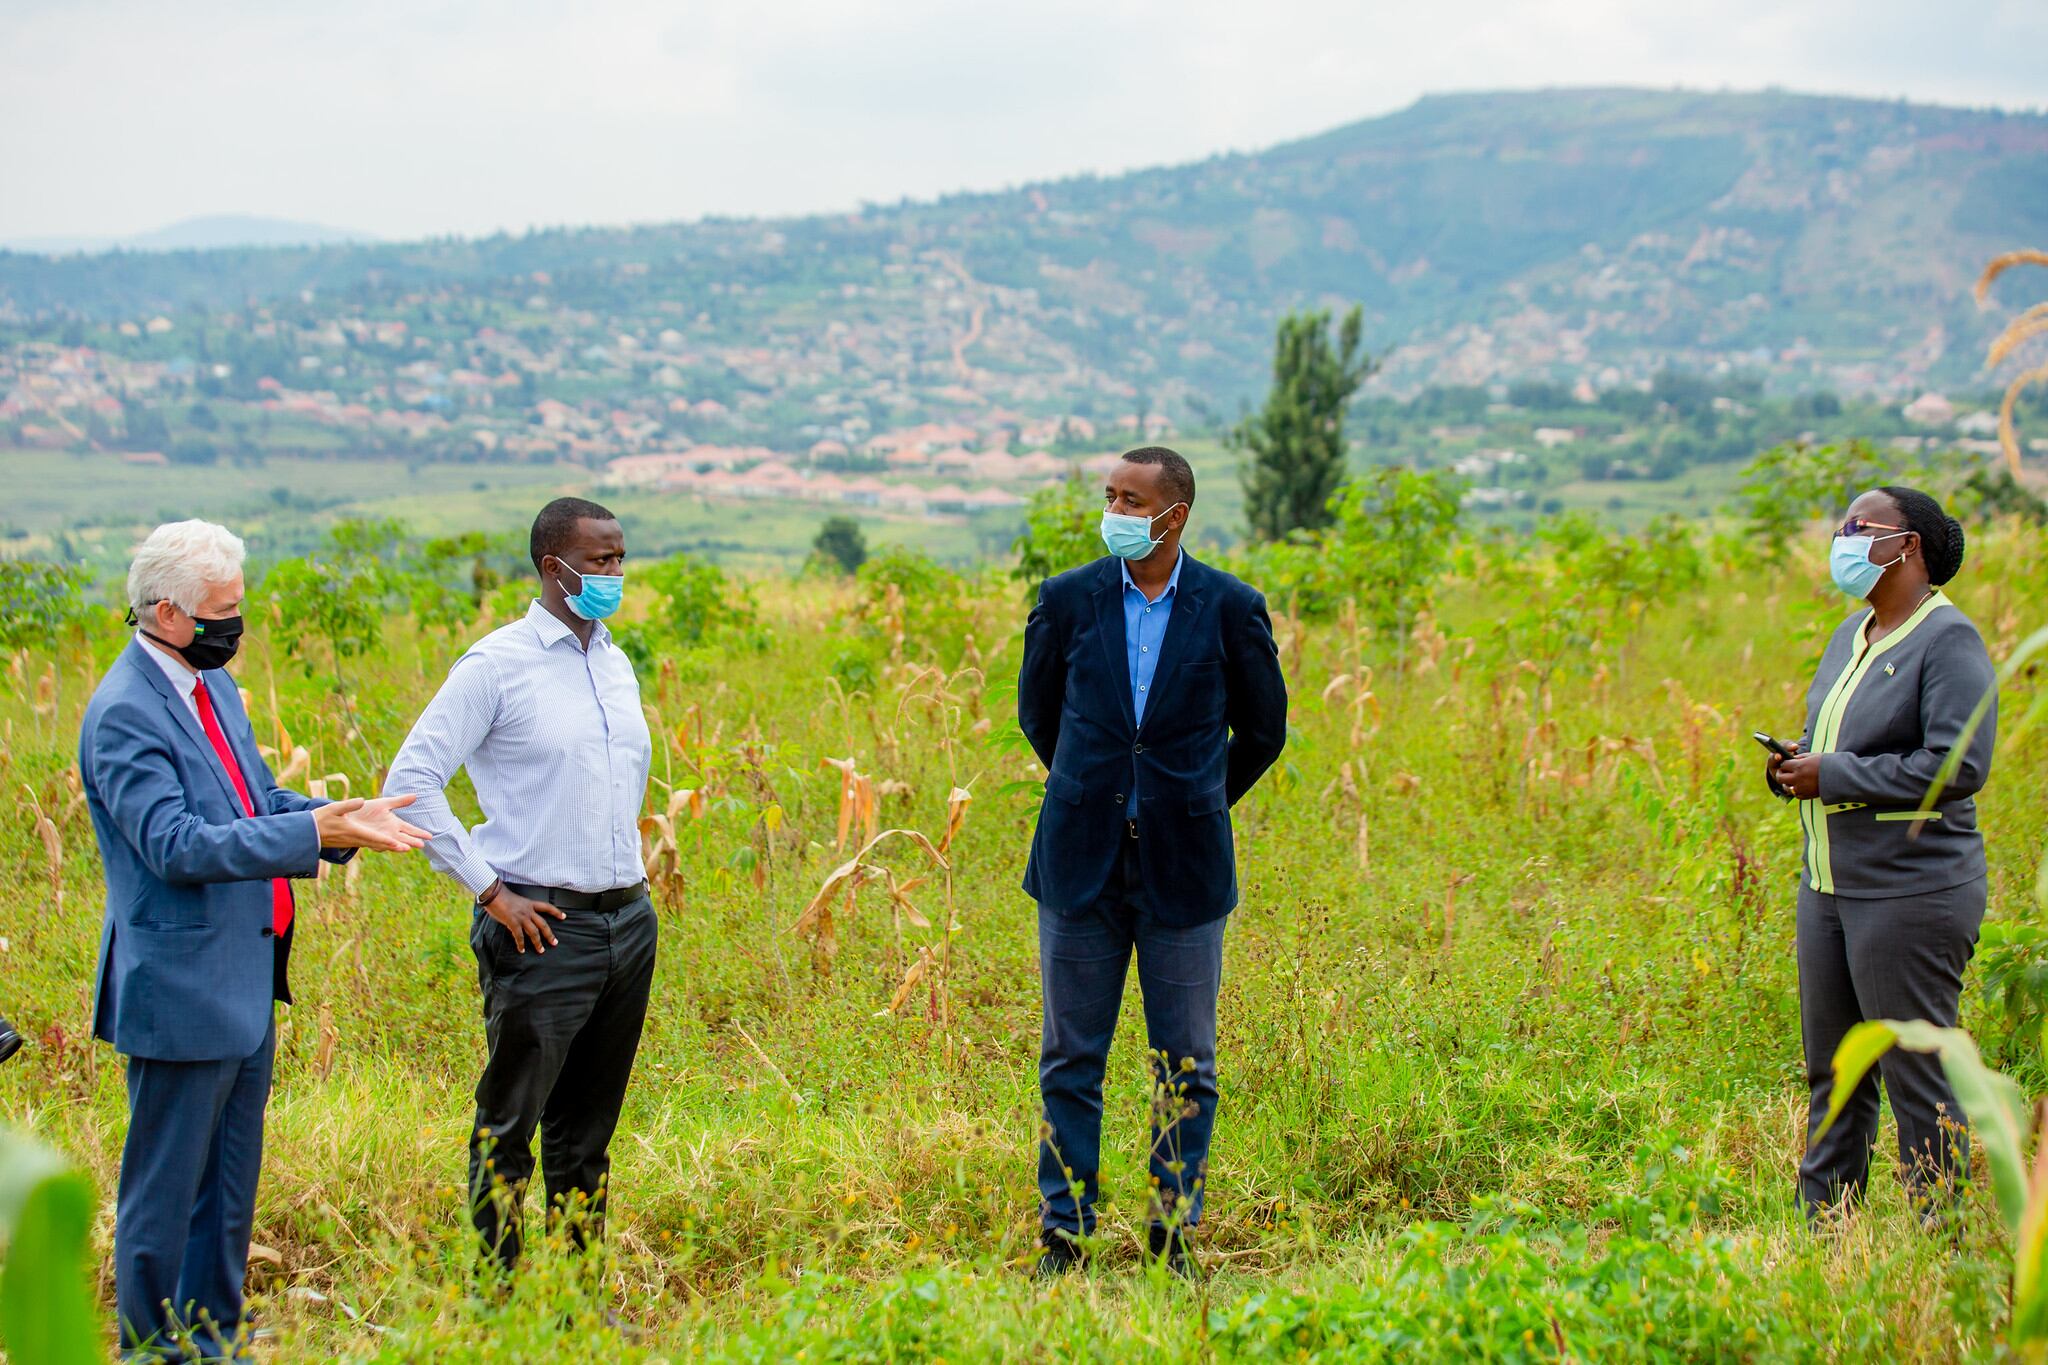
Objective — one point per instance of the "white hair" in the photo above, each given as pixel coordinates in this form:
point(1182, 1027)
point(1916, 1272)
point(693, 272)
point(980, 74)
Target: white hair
point(179, 562)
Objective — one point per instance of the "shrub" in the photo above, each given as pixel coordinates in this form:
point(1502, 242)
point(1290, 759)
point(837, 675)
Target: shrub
point(699, 602)
point(1061, 531)
point(840, 543)
point(1387, 547)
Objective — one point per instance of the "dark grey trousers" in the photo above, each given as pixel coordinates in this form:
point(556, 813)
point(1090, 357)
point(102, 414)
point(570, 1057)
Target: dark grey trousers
point(563, 1027)
point(1882, 959)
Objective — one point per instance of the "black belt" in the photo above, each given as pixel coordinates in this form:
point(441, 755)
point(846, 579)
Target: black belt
point(603, 902)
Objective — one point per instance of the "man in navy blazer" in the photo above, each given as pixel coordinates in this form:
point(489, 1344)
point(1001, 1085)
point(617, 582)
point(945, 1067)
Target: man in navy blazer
point(1152, 693)
point(198, 842)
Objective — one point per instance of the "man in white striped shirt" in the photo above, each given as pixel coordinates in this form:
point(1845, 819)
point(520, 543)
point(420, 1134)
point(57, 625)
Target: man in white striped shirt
point(545, 714)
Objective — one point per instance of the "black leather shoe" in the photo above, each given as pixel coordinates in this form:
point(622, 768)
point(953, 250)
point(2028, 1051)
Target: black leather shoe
point(10, 1041)
point(1171, 1244)
point(1061, 1255)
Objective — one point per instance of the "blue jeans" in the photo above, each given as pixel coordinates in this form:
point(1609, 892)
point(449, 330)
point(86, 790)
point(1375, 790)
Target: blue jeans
point(1082, 961)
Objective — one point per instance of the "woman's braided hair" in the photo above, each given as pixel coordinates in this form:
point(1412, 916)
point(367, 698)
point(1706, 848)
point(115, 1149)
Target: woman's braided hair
point(1941, 535)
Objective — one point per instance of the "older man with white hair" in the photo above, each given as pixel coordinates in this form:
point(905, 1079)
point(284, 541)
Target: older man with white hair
point(198, 843)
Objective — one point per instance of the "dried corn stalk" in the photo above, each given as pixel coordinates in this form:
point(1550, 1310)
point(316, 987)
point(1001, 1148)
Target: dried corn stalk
point(323, 1051)
point(53, 847)
point(956, 815)
point(817, 924)
point(2031, 323)
point(914, 974)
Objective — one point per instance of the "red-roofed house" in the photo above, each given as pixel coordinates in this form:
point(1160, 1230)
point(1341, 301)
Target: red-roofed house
point(866, 491)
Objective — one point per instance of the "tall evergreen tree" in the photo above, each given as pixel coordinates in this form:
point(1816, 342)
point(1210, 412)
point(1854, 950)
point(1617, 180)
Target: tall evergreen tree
point(1294, 446)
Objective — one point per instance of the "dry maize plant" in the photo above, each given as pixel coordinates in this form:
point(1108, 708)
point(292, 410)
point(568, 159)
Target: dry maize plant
point(53, 847)
point(948, 699)
point(333, 787)
point(857, 801)
point(289, 762)
point(659, 848)
point(832, 908)
point(819, 924)
point(1364, 701)
point(2031, 323)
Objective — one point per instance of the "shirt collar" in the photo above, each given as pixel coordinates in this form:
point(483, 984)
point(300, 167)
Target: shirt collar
point(182, 678)
point(552, 630)
point(1172, 579)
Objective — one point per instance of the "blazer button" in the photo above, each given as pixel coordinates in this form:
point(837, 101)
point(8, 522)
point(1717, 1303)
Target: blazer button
point(1119, 798)
point(1138, 749)
point(269, 933)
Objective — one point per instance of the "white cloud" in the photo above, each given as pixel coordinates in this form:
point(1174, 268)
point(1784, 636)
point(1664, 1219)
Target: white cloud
point(408, 117)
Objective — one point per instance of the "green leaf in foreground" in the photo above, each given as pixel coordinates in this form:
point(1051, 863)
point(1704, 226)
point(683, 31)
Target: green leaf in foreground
point(46, 1311)
point(1996, 1110)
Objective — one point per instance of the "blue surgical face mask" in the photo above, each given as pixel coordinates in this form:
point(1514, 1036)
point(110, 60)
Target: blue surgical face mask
point(1851, 566)
point(599, 596)
point(1130, 537)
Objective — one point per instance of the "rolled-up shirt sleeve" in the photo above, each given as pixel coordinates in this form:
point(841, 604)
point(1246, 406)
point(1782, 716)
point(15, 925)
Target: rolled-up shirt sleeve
point(442, 740)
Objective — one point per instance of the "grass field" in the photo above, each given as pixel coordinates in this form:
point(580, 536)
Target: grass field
point(99, 506)
point(1509, 1042)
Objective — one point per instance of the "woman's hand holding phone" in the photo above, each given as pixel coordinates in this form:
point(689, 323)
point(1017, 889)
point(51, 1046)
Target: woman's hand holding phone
point(1787, 770)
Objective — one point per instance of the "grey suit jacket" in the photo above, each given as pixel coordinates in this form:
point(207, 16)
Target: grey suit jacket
point(1884, 718)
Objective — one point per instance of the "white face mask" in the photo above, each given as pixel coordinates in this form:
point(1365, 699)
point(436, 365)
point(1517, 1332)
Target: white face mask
point(1130, 537)
point(1852, 568)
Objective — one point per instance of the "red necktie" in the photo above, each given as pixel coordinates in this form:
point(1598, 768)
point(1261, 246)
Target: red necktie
point(280, 889)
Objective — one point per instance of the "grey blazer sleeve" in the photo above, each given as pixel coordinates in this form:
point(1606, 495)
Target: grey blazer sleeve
point(1956, 676)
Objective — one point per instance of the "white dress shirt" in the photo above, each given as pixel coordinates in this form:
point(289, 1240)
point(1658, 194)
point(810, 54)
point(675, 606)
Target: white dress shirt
point(183, 678)
point(557, 748)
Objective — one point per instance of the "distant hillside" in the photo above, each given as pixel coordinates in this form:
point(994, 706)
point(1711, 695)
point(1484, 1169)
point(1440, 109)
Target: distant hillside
point(1605, 234)
point(199, 234)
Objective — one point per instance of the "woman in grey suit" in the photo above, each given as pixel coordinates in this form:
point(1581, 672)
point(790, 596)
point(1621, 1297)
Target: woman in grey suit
point(1891, 901)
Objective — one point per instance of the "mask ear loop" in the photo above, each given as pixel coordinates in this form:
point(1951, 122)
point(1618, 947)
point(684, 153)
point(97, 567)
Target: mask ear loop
point(1889, 563)
point(1148, 525)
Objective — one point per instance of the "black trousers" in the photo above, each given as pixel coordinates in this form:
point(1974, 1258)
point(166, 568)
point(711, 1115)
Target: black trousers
point(1882, 959)
point(563, 1027)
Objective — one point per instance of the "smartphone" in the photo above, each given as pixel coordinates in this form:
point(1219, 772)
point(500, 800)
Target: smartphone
point(1775, 746)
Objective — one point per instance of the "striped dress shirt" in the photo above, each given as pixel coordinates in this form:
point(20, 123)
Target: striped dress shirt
point(557, 749)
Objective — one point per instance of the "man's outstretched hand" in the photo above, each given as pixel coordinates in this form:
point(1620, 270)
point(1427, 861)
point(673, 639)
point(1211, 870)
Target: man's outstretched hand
point(373, 824)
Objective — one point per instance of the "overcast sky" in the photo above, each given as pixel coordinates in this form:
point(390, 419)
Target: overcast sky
point(412, 117)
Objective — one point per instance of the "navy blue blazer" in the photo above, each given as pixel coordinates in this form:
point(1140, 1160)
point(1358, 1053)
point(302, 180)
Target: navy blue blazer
point(188, 962)
point(1215, 720)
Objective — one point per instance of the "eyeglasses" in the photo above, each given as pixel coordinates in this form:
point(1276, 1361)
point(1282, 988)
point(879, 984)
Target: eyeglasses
point(1857, 526)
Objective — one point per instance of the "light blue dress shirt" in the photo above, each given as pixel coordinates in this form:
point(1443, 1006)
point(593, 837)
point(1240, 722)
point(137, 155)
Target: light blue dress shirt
point(1144, 630)
point(557, 748)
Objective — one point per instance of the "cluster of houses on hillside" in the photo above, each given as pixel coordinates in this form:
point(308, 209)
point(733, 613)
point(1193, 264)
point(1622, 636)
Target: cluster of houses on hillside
point(476, 402)
point(926, 470)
